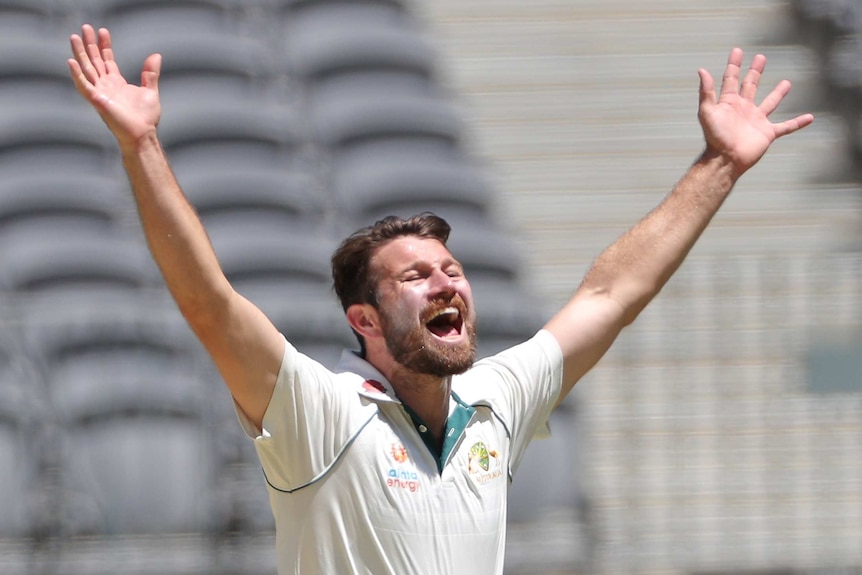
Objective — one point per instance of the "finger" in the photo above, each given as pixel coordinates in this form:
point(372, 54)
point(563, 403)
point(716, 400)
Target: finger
point(82, 59)
point(707, 87)
point(92, 47)
point(730, 81)
point(790, 126)
point(752, 77)
point(107, 50)
point(771, 102)
point(82, 83)
point(151, 70)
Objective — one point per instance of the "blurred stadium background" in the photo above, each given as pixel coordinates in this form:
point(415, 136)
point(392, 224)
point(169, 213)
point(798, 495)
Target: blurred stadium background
point(721, 435)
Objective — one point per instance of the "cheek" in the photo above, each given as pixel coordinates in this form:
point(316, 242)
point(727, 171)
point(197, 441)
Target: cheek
point(467, 295)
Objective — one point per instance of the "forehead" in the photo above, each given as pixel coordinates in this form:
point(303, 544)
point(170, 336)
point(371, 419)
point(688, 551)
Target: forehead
point(404, 252)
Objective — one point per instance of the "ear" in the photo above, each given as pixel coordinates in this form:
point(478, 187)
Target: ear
point(364, 320)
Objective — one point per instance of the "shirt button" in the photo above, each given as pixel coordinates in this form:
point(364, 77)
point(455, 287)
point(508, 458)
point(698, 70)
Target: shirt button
point(423, 429)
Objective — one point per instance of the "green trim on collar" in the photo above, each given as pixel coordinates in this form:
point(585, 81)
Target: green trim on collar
point(456, 423)
point(455, 426)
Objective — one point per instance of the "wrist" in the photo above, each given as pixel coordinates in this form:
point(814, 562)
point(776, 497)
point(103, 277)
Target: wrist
point(720, 165)
point(140, 144)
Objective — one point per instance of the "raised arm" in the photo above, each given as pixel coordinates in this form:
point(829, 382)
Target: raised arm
point(245, 346)
point(629, 273)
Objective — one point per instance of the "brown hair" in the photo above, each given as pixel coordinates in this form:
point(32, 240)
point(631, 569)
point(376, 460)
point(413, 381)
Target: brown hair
point(353, 279)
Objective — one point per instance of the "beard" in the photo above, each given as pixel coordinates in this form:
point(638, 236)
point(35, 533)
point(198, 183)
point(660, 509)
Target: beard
point(413, 346)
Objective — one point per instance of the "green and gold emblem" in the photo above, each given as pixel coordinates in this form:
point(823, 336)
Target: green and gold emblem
point(479, 455)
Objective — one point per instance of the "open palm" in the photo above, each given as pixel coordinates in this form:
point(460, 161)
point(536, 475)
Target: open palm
point(130, 111)
point(734, 126)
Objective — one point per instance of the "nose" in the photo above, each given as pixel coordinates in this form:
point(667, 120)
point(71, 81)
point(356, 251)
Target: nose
point(441, 283)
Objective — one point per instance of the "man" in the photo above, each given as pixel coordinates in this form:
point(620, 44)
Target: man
point(399, 461)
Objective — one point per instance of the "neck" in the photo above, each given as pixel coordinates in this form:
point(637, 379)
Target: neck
point(427, 395)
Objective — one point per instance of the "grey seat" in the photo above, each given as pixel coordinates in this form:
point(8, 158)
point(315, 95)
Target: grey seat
point(485, 249)
point(373, 106)
point(337, 38)
point(844, 75)
point(125, 15)
point(31, 16)
point(53, 195)
point(506, 311)
point(230, 134)
point(404, 178)
point(198, 63)
point(293, 7)
point(53, 258)
point(270, 194)
point(260, 259)
point(21, 414)
point(32, 138)
point(314, 323)
point(34, 71)
point(136, 456)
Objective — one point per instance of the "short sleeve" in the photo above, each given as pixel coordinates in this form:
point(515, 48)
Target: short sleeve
point(311, 418)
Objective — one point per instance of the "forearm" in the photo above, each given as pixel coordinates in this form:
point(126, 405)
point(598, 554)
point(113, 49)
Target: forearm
point(174, 233)
point(636, 266)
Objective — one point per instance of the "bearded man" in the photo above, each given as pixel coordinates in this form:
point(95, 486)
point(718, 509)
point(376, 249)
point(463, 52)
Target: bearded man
point(399, 460)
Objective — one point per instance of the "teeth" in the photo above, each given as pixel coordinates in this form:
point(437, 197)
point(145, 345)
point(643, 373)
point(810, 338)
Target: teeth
point(448, 311)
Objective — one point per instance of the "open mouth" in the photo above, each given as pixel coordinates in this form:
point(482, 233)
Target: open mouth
point(446, 323)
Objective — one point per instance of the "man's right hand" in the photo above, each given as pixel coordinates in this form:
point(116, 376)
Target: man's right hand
point(131, 112)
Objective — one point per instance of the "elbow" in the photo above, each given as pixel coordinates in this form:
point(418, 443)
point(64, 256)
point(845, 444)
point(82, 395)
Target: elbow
point(636, 301)
point(629, 301)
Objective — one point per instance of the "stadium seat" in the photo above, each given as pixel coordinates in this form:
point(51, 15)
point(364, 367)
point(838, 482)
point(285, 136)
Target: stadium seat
point(504, 310)
point(293, 7)
point(52, 195)
point(199, 63)
point(405, 178)
point(34, 72)
point(370, 107)
point(125, 15)
point(50, 259)
point(31, 16)
point(345, 38)
point(121, 329)
point(844, 76)
point(259, 259)
point(32, 138)
point(21, 414)
point(822, 22)
point(18, 469)
point(136, 455)
point(223, 132)
point(856, 143)
point(271, 194)
point(485, 249)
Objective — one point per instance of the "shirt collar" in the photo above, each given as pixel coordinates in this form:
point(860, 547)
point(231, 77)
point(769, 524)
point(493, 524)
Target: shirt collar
point(370, 383)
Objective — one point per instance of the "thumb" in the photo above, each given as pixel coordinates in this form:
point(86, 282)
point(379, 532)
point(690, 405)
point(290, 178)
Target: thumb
point(150, 72)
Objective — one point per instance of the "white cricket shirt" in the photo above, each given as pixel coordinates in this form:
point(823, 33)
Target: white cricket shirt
point(355, 489)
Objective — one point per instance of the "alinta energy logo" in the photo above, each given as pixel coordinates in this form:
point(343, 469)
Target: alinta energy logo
point(483, 463)
point(402, 475)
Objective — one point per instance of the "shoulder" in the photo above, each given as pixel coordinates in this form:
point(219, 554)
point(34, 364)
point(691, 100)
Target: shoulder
point(536, 359)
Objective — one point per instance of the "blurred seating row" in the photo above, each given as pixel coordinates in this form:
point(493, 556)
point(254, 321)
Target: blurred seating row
point(833, 30)
point(289, 123)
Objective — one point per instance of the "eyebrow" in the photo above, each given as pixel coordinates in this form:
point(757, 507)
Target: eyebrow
point(419, 264)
